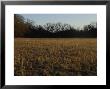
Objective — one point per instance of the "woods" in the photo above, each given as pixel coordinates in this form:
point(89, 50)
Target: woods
point(26, 29)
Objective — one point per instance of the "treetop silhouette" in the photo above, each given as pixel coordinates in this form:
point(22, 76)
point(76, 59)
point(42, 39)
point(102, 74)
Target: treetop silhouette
point(27, 29)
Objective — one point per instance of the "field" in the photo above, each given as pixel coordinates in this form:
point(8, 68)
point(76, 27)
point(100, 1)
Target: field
point(55, 57)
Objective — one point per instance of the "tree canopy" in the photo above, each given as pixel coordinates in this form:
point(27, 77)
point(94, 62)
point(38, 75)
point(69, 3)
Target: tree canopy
point(27, 29)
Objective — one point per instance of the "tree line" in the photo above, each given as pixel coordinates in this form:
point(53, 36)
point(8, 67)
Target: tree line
point(27, 29)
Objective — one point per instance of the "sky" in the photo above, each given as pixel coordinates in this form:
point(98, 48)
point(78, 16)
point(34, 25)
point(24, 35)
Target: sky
point(76, 20)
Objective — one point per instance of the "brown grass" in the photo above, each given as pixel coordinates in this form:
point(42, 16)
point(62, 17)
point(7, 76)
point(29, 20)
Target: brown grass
point(55, 57)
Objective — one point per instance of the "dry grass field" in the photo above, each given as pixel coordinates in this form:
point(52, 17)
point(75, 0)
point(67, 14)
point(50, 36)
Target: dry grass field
point(55, 57)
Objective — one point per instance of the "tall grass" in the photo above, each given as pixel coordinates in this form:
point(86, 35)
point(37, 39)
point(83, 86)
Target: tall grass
point(55, 57)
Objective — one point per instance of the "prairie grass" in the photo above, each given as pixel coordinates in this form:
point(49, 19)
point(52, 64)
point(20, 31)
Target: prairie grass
point(55, 57)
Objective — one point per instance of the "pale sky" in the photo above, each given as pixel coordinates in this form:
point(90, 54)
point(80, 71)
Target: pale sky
point(76, 20)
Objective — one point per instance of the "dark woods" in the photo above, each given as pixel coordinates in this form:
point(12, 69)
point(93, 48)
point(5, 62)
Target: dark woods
point(27, 29)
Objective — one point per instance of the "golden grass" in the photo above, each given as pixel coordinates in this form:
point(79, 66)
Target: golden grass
point(55, 57)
